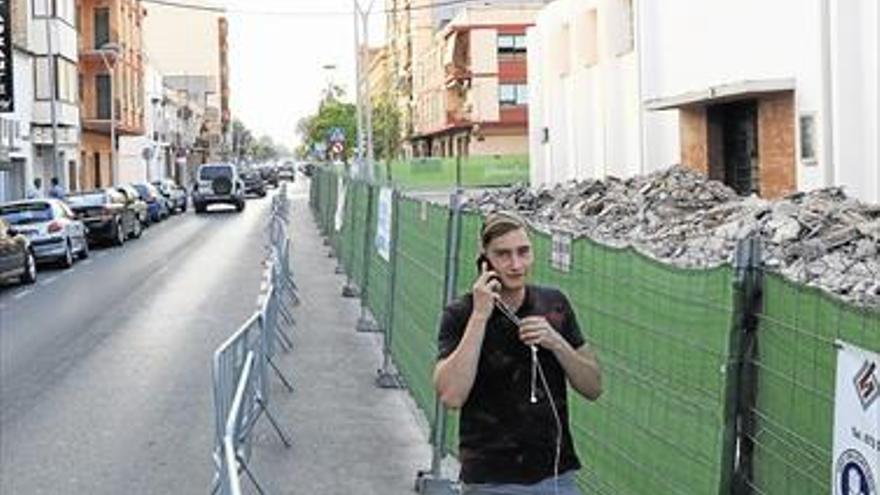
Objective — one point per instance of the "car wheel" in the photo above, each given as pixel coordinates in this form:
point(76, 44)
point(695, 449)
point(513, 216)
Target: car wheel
point(30, 270)
point(137, 230)
point(67, 260)
point(120, 235)
point(84, 252)
point(239, 206)
point(200, 208)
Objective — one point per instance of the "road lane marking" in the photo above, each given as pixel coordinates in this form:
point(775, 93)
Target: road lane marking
point(22, 294)
point(47, 281)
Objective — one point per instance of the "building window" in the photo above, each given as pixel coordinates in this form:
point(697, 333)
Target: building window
point(625, 36)
point(102, 27)
point(513, 94)
point(41, 8)
point(511, 44)
point(102, 93)
point(591, 47)
point(66, 72)
point(808, 138)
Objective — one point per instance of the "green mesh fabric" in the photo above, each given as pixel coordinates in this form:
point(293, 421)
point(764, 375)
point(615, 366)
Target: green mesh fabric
point(796, 365)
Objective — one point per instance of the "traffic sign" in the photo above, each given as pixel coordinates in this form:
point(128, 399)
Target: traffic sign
point(337, 135)
point(338, 148)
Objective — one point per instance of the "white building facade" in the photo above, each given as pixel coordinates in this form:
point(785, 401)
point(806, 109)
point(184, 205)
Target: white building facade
point(770, 97)
point(52, 28)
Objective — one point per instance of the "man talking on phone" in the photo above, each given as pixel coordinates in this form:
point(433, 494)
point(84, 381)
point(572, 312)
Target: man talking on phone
point(502, 348)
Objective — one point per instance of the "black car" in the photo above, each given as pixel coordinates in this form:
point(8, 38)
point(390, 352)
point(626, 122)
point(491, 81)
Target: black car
point(269, 173)
point(107, 214)
point(253, 183)
point(307, 169)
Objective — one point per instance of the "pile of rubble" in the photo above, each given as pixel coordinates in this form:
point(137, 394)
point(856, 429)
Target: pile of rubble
point(821, 238)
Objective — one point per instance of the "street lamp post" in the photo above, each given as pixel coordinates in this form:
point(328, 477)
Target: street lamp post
point(113, 49)
point(364, 119)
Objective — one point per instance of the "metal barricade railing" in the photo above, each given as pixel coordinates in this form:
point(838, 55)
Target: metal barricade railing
point(240, 370)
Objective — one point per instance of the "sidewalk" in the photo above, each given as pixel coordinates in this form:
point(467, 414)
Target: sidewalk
point(349, 437)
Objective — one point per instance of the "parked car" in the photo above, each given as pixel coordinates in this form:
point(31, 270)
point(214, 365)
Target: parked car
point(107, 214)
point(217, 183)
point(287, 172)
point(157, 207)
point(253, 183)
point(51, 227)
point(133, 197)
point(17, 259)
point(307, 169)
point(269, 174)
point(174, 195)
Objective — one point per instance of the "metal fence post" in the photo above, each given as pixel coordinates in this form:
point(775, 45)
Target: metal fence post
point(349, 290)
point(742, 385)
point(365, 322)
point(387, 377)
point(432, 482)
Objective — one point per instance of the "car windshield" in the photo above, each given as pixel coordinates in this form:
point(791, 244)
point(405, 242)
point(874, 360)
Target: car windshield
point(143, 190)
point(211, 173)
point(24, 213)
point(86, 199)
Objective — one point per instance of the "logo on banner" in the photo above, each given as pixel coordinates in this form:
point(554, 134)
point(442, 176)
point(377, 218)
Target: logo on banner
point(867, 384)
point(853, 475)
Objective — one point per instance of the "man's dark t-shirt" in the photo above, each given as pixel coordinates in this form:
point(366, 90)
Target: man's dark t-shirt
point(503, 438)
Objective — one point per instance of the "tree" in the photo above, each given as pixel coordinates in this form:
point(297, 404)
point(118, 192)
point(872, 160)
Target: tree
point(386, 128)
point(332, 112)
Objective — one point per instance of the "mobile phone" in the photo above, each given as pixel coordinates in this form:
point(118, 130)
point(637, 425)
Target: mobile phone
point(483, 259)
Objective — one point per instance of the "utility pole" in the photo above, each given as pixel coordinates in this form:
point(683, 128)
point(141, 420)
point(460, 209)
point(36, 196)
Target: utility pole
point(53, 80)
point(364, 117)
point(358, 148)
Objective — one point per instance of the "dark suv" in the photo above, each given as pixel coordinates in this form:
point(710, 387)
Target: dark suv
point(253, 183)
point(217, 183)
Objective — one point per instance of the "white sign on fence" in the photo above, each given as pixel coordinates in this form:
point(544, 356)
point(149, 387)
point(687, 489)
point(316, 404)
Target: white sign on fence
point(383, 224)
point(856, 461)
point(341, 188)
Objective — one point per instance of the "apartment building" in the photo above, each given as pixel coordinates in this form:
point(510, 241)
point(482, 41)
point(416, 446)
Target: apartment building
point(111, 66)
point(52, 42)
point(622, 87)
point(471, 88)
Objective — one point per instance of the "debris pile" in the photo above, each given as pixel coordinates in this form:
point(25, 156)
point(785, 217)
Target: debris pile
point(822, 238)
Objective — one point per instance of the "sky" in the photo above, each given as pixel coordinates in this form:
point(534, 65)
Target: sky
point(276, 61)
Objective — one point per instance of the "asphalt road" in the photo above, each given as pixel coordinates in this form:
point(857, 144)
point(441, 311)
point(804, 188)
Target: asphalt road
point(105, 376)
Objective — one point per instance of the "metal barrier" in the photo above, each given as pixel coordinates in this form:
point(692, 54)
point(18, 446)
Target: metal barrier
point(240, 372)
point(718, 380)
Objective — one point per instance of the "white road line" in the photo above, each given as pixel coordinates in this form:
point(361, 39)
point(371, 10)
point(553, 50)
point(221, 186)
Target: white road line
point(47, 281)
point(22, 294)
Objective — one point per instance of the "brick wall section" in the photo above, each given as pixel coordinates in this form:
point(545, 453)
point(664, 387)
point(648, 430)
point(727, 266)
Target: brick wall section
point(694, 138)
point(776, 147)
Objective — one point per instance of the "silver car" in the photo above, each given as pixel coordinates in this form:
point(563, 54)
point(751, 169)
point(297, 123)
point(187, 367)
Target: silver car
point(51, 227)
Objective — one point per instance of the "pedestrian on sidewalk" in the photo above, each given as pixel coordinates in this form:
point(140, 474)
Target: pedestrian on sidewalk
point(514, 438)
point(56, 191)
point(36, 190)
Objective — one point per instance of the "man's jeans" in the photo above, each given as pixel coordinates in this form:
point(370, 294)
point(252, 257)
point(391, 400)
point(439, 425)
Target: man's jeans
point(565, 485)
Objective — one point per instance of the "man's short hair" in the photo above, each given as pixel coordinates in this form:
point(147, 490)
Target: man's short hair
point(499, 223)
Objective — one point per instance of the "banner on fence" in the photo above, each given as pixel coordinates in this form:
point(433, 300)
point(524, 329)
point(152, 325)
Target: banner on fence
point(856, 422)
point(383, 224)
point(339, 218)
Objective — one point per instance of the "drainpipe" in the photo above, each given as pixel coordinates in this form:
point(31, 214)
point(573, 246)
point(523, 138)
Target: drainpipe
point(637, 42)
point(827, 95)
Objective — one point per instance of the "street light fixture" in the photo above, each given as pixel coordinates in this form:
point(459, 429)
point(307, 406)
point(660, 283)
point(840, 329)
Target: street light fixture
point(113, 49)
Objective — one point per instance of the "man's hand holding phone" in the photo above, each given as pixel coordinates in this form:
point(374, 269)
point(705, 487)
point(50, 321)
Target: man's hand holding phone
point(486, 290)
